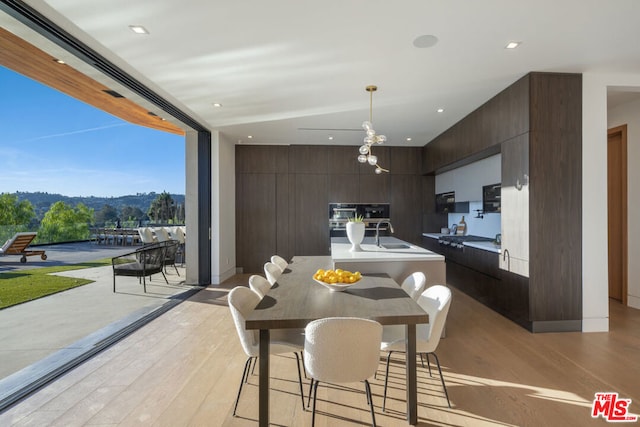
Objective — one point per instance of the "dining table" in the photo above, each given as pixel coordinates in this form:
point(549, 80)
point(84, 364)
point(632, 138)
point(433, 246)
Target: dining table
point(297, 299)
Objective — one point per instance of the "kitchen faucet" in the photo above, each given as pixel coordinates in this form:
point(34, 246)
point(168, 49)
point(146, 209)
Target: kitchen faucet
point(378, 231)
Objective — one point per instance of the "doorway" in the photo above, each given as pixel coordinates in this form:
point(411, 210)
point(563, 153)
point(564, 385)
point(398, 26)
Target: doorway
point(617, 212)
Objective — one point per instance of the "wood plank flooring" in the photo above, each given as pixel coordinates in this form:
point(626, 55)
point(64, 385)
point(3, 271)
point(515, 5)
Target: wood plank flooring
point(184, 368)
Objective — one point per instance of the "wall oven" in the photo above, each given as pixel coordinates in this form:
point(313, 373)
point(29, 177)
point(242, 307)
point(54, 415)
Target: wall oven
point(372, 213)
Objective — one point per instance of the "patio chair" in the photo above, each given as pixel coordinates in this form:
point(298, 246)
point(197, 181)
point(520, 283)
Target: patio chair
point(17, 245)
point(141, 263)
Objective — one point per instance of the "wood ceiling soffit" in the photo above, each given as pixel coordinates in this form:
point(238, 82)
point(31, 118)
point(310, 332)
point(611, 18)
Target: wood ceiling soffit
point(26, 59)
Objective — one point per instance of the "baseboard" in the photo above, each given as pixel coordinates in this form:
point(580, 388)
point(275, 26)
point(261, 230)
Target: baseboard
point(556, 326)
point(600, 324)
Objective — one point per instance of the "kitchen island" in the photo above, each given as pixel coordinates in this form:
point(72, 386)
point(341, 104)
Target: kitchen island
point(394, 257)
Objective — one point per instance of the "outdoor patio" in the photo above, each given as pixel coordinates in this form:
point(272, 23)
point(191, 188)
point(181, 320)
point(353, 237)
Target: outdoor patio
point(40, 336)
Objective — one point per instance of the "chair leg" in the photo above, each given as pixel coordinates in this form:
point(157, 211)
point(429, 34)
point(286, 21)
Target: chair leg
point(254, 367)
point(310, 392)
point(370, 400)
point(313, 413)
point(304, 369)
point(177, 272)
point(245, 374)
point(386, 380)
point(428, 363)
point(300, 379)
point(114, 283)
point(144, 284)
point(165, 277)
point(442, 379)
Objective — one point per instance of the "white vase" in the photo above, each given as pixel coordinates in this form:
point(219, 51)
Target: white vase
point(355, 233)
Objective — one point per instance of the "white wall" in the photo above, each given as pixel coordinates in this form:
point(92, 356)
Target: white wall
point(629, 114)
point(223, 208)
point(595, 291)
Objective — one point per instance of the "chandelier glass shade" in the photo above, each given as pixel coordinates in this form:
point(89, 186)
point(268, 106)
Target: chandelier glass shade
point(366, 152)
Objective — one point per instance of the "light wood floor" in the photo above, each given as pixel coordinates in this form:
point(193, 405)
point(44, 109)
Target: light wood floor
point(183, 369)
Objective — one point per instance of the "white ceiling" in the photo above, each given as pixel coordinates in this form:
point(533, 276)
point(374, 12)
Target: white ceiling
point(281, 66)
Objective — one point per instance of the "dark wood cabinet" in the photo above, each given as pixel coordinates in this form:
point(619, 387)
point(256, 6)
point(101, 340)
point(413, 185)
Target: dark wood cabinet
point(537, 125)
point(405, 161)
point(283, 194)
point(311, 223)
point(256, 219)
point(406, 209)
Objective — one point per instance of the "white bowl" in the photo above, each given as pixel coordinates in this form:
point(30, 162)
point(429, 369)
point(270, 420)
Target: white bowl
point(335, 287)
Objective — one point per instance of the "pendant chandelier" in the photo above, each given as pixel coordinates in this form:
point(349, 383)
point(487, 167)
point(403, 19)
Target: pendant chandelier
point(366, 153)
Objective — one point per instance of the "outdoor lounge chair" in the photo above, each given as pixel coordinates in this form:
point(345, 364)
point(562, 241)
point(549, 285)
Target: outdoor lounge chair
point(17, 245)
point(141, 263)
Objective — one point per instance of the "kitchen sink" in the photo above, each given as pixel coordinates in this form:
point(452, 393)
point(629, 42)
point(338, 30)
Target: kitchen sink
point(395, 246)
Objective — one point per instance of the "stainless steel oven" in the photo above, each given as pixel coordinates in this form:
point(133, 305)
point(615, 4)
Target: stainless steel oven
point(372, 213)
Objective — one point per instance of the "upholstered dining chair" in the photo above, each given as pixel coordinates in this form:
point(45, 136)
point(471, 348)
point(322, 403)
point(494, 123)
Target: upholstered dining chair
point(280, 262)
point(436, 301)
point(242, 301)
point(272, 272)
point(415, 284)
point(342, 350)
point(259, 285)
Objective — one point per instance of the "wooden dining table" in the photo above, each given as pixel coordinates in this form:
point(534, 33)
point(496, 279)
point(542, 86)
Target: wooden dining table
point(296, 299)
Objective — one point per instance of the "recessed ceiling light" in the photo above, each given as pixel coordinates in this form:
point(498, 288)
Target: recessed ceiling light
point(512, 45)
point(138, 29)
point(249, 136)
point(330, 138)
point(217, 104)
point(409, 139)
point(440, 110)
point(59, 61)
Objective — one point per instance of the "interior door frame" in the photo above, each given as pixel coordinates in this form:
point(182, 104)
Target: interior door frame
point(622, 130)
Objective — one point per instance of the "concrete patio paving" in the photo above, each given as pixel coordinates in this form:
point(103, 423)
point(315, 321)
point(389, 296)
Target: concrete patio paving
point(39, 337)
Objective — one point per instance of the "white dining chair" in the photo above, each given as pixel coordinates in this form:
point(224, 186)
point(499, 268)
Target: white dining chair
point(242, 301)
point(342, 350)
point(162, 235)
point(415, 284)
point(146, 235)
point(280, 262)
point(259, 285)
point(436, 301)
point(272, 272)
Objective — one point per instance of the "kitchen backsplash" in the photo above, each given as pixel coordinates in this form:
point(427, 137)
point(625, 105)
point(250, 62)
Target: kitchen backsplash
point(488, 226)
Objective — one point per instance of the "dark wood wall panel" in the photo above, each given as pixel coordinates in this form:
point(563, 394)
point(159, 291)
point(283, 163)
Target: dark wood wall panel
point(311, 214)
point(308, 159)
point(295, 196)
point(257, 230)
point(344, 188)
point(374, 188)
point(406, 201)
point(283, 214)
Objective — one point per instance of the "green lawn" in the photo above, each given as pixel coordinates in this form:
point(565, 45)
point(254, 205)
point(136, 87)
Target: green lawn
point(21, 286)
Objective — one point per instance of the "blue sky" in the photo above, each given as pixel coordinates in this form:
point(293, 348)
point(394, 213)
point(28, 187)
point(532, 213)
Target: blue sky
point(53, 143)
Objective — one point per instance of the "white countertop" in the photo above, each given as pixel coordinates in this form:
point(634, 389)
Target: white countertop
point(371, 253)
point(486, 246)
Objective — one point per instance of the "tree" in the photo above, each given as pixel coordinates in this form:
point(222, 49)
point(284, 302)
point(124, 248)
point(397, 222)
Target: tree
point(132, 213)
point(162, 208)
point(15, 215)
point(107, 214)
point(15, 212)
point(63, 223)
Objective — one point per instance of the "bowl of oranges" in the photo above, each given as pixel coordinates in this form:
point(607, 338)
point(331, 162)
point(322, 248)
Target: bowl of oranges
point(336, 280)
